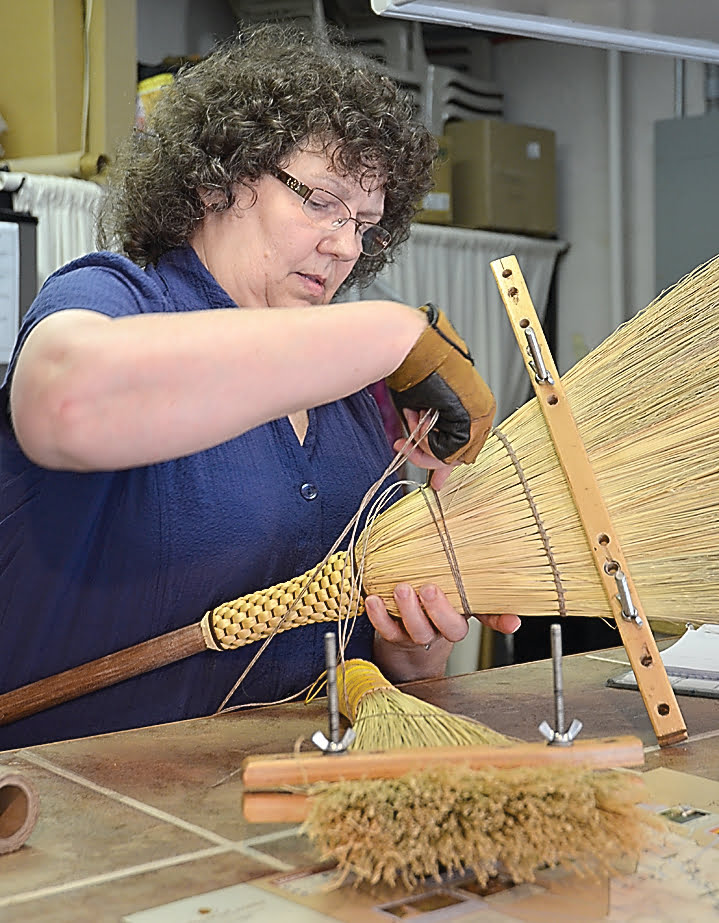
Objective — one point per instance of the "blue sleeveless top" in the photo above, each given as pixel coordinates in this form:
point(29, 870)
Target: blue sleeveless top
point(91, 563)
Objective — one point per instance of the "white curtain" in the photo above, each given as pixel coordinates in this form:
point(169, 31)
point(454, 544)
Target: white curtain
point(66, 210)
point(450, 266)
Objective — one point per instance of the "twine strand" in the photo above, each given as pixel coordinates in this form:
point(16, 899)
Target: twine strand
point(544, 535)
point(446, 540)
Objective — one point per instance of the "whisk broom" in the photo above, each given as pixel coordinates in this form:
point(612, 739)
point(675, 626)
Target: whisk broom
point(411, 808)
point(645, 404)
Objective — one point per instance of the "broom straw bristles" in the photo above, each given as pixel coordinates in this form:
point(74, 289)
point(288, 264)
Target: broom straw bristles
point(384, 718)
point(646, 404)
point(442, 821)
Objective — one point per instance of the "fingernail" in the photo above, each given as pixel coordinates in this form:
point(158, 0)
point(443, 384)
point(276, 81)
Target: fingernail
point(370, 604)
point(428, 592)
point(402, 591)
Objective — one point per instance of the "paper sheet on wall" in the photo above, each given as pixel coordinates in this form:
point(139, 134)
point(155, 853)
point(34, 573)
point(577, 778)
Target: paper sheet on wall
point(9, 287)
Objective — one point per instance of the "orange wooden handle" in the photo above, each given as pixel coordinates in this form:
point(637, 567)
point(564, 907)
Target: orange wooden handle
point(268, 773)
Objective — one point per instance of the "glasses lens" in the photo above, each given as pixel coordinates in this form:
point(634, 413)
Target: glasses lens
point(375, 239)
point(326, 210)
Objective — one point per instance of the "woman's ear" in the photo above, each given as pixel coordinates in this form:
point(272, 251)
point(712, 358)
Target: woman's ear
point(214, 199)
point(242, 196)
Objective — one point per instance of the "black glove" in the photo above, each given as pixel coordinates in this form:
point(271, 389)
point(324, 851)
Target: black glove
point(439, 374)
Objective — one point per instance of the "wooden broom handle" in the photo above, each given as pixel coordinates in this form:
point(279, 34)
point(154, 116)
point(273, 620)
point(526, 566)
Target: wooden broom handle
point(106, 671)
point(321, 594)
point(639, 643)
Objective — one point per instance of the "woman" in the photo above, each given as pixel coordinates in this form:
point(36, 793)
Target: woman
point(158, 455)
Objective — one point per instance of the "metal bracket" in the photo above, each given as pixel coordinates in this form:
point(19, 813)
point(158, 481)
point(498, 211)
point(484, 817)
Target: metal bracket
point(558, 736)
point(629, 610)
point(334, 744)
point(541, 374)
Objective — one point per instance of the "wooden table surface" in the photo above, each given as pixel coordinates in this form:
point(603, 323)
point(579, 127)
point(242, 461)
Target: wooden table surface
point(140, 818)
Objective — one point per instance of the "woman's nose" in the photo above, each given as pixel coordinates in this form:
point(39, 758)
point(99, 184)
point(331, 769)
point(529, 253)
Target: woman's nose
point(345, 243)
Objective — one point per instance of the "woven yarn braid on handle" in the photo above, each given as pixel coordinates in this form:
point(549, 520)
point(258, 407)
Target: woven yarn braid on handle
point(323, 594)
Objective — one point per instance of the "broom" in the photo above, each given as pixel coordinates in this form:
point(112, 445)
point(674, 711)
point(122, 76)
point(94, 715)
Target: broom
point(412, 807)
point(645, 405)
point(645, 402)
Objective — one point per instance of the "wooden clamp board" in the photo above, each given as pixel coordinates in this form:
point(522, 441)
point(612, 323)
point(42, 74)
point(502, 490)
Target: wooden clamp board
point(637, 637)
point(274, 787)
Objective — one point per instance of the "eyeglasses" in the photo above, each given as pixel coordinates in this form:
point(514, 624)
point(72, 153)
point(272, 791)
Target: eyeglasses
point(326, 210)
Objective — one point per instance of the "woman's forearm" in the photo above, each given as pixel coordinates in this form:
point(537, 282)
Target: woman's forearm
point(94, 393)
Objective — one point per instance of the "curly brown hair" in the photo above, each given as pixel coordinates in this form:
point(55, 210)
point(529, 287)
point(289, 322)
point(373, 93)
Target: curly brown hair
point(241, 113)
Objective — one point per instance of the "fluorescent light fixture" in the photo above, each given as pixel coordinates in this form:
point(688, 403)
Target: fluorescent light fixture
point(653, 23)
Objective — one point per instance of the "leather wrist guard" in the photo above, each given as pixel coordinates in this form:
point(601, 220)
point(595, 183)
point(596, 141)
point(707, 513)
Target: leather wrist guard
point(439, 374)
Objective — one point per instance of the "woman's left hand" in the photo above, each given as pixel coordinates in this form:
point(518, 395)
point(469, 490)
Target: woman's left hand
point(418, 644)
point(420, 454)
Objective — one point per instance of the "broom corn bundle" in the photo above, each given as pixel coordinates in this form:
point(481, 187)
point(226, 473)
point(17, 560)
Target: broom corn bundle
point(645, 403)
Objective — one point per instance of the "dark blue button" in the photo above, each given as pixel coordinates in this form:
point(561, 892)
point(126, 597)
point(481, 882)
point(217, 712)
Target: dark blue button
point(309, 491)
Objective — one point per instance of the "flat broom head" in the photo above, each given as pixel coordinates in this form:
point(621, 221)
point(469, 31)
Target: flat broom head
point(513, 821)
point(645, 402)
point(453, 819)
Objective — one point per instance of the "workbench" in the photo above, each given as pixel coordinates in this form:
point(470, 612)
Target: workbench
point(137, 819)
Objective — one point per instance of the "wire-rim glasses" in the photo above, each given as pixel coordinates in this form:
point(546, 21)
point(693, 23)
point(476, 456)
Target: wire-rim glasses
point(326, 210)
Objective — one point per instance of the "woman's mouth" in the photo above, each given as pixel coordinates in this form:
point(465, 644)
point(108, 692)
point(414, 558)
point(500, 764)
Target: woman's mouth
point(316, 284)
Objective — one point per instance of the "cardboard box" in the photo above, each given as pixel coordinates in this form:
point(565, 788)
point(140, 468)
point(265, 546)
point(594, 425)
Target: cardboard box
point(437, 204)
point(503, 177)
point(41, 61)
point(42, 82)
